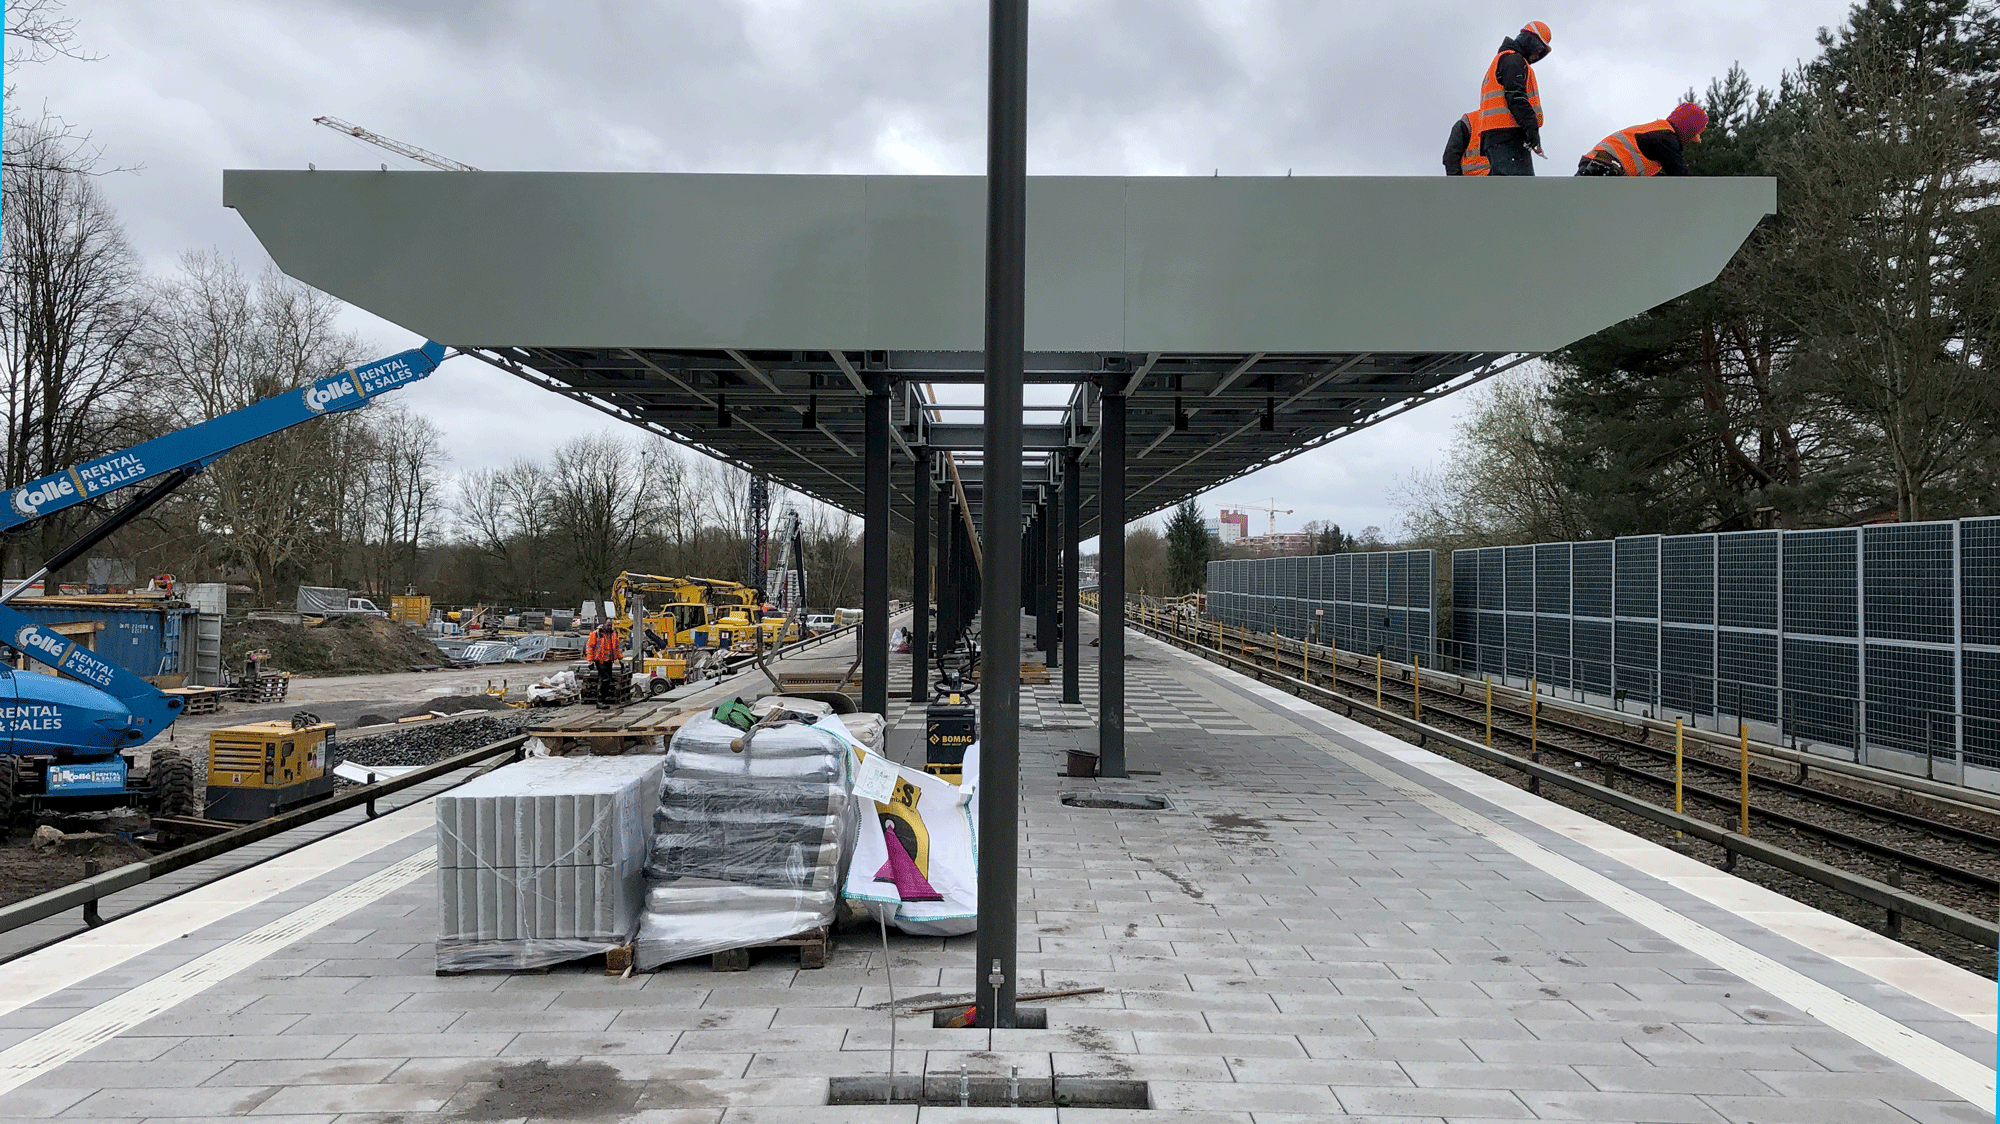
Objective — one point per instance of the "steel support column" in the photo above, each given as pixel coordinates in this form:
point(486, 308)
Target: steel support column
point(994, 971)
point(1051, 568)
point(875, 549)
point(1111, 586)
point(1072, 508)
point(947, 572)
point(920, 580)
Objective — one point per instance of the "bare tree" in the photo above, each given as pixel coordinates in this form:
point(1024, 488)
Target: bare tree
point(283, 504)
point(38, 31)
point(508, 515)
point(604, 505)
point(68, 316)
point(1499, 484)
point(401, 494)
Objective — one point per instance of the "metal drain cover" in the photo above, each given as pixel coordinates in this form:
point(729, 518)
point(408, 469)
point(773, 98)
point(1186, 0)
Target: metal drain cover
point(1126, 801)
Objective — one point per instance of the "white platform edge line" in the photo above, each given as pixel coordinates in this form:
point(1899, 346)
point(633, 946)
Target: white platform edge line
point(76, 1036)
point(74, 960)
point(1921, 1054)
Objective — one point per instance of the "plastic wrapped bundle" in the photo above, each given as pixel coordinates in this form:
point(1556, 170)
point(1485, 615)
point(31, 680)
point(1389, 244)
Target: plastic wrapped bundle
point(750, 838)
point(543, 861)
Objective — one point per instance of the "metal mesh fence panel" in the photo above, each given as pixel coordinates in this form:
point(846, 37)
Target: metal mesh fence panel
point(1981, 681)
point(1552, 578)
point(1590, 579)
point(1821, 682)
point(1979, 581)
point(1907, 583)
point(1746, 668)
point(1820, 582)
point(1912, 699)
point(1361, 602)
point(1687, 579)
point(1746, 573)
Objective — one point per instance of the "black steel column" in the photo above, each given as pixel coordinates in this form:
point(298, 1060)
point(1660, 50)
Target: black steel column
point(1000, 658)
point(1072, 508)
point(1051, 570)
point(920, 580)
point(1111, 586)
point(947, 579)
point(875, 548)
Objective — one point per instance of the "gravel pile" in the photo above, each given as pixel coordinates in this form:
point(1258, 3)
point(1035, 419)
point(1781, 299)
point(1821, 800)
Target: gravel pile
point(432, 742)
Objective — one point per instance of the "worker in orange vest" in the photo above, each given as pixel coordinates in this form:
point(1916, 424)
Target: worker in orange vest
point(1461, 149)
point(602, 652)
point(1653, 149)
point(1510, 103)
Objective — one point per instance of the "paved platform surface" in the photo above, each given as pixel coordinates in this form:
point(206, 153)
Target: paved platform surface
point(1328, 924)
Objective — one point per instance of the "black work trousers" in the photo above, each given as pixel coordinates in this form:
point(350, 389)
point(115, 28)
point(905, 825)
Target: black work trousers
point(605, 691)
point(1509, 156)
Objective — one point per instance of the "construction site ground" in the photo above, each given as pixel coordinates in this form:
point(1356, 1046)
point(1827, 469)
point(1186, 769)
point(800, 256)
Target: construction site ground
point(1325, 923)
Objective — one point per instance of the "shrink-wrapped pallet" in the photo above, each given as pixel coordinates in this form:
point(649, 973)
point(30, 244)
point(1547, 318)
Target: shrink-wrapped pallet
point(750, 838)
point(543, 861)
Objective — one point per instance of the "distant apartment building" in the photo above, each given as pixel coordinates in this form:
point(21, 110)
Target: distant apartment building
point(1230, 527)
point(1282, 544)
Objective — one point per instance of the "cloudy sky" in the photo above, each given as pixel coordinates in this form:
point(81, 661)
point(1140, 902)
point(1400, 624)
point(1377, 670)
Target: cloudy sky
point(185, 88)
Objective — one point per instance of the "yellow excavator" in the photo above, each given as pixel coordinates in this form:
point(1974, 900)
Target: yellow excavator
point(675, 610)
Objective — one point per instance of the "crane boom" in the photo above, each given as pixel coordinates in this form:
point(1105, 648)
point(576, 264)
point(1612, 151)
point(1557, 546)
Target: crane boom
point(1271, 507)
point(200, 444)
point(390, 144)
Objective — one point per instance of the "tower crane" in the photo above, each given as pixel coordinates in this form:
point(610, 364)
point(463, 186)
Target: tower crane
point(389, 144)
point(1271, 508)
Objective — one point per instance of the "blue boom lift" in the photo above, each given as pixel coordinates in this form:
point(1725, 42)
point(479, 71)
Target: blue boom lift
point(67, 740)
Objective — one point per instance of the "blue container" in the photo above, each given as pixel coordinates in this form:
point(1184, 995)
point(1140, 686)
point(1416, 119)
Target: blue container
point(141, 639)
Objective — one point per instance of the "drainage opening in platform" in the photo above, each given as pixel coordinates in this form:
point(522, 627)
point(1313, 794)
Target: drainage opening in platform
point(1129, 801)
point(987, 1090)
point(966, 1018)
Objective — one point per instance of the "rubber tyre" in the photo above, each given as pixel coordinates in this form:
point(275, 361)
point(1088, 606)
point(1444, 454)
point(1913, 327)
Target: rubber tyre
point(7, 775)
point(657, 687)
point(174, 785)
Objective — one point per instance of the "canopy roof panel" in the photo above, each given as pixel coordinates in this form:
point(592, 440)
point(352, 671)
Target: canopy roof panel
point(1309, 305)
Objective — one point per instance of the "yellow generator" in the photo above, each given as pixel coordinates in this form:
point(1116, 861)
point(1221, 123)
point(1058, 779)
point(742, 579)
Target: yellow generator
point(259, 769)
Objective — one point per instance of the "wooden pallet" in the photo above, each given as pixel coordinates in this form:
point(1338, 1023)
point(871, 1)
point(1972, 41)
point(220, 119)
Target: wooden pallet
point(1035, 674)
point(814, 946)
point(617, 962)
point(606, 733)
point(200, 700)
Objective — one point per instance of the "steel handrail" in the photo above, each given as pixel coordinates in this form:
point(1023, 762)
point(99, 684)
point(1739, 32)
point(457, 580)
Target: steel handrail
point(84, 894)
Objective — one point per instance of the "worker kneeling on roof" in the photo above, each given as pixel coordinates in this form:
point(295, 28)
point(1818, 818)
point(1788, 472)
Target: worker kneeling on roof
point(1653, 149)
point(1461, 149)
point(1510, 103)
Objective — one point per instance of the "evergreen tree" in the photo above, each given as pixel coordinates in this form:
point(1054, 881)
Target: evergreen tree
point(1188, 548)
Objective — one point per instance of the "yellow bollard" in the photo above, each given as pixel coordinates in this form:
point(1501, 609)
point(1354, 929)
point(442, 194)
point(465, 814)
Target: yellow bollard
point(1677, 772)
point(1378, 680)
point(1743, 742)
point(1534, 721)
point(1489, 712)
point(1417, 686)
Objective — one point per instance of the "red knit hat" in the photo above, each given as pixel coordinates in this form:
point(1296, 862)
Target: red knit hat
point(1688, 119)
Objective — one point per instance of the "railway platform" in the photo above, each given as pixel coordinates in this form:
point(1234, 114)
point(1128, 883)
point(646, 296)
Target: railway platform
point(1324, 923)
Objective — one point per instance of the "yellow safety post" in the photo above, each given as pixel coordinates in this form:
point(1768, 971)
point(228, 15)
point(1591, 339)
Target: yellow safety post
point(1378, 680)
point(1743, 743)
point(1677, 773)
point(1489, 712)
point(1534, 721)
point(1417, 686)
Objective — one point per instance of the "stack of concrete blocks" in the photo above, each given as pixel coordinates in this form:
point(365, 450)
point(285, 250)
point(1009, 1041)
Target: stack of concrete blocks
point(751, 837)
point(543, 861)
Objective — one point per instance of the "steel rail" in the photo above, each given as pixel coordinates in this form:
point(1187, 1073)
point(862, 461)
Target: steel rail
point(1896, 902)
point(1729, 772)
point(1937, 867)
point(85, 893)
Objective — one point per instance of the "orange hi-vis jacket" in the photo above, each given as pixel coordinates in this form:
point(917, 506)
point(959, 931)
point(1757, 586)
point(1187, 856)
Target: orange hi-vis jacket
point(1493, 111)
point(601, 648)
point(1622, 148)
point(1473, 163)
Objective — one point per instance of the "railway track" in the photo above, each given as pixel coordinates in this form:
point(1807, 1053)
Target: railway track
point(1952, 865)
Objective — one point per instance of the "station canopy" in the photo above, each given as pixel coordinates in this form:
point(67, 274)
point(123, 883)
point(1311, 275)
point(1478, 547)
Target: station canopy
point(1246, 320)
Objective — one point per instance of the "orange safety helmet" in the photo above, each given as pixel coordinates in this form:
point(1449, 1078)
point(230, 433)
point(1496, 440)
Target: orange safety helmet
point(1539, 30)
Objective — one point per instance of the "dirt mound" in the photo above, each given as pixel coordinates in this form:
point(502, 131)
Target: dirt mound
point(346, 645)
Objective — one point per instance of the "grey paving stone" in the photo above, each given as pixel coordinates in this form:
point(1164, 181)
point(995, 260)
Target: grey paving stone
point(1236, 1096)
point(196, 1102)
point(1450, 1103)
point(378, 1097)
point(1653, 1108)
point(444, 1045)
point(1489, 1075)
point(347, 1071)
point(1804, 1110)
